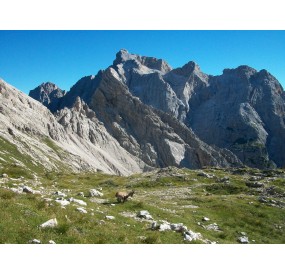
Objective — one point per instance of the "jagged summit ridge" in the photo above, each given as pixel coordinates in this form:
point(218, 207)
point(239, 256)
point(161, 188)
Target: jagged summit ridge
point(240, 112)
point(147, 64)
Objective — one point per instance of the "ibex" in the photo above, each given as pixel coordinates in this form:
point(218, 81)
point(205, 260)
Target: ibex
point(123, 196)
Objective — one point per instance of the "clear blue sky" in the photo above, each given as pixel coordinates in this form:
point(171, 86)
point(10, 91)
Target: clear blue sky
point(28, 58)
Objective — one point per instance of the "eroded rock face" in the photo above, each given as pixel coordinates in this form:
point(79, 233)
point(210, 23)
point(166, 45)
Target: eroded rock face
point(244, 112)
point(78, 139)
point(156, 116)
point(155, 137)
point(48, 94)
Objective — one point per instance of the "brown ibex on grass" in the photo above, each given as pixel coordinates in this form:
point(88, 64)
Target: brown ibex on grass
point(123, 196)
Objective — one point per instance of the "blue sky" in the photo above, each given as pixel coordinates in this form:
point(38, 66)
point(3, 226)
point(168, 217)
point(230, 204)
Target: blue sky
point(28, 58)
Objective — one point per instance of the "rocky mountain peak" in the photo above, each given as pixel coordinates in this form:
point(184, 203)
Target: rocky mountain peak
point(48, 94)
point(241, 111)
point(152, 63)
point(240, 71)
point(188, 69)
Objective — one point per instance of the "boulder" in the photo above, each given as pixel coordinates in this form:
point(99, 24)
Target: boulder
point(95, 193)
point(80, 202)
point(191, 236)
point(63, 202)
point(178, 227)
point(27, 189)
point(81, 210)
point(144, 214)
point(59, 193)
point(164, 226)
point(50, 223)
point(243, 239)
point(213, 227)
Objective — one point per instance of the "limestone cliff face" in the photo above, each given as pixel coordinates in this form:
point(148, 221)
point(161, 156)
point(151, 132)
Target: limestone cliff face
point(144, 79)
point(244, 112)
point(184, 117)
point(156, 138)
point(48, 94)
point(80, 141)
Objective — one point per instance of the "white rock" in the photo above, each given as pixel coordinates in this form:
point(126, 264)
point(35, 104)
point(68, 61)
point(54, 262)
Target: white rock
point(145, 215)
point(191, 236)
point(213, 227)
point(28, 189)
point(51, 242)
point(80, 194)
point(59, 193)
point(164, 227)
point(95, 193)
point(205, 219)
point(4, 175)
point(178, 227)
point(243, 239)
point(110, 217)
point(63, 202)
point(81, 210)
point(49, 223)
point(81, 202)
point(35, 241)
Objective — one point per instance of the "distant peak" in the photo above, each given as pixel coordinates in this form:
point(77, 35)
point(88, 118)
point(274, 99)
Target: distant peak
point(188, 69)
point(123, 55)
point(151, 62)
point(240, 69)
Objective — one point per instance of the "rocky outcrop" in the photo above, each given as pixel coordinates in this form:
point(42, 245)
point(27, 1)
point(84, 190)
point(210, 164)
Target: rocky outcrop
point(144, 79)
point(182, 117)
point(48, 94)
point(243, 112)
point(157, 139)
point(72, 138)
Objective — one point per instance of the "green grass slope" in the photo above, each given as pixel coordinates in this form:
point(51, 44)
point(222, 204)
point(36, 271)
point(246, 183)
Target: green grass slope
point(225, 196)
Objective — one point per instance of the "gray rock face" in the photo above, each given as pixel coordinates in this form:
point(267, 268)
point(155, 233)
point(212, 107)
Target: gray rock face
point(79, 140)
point(244, 111)
point(48, 94)
point(140, 113)
point(155, 137)
point(144, 78)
